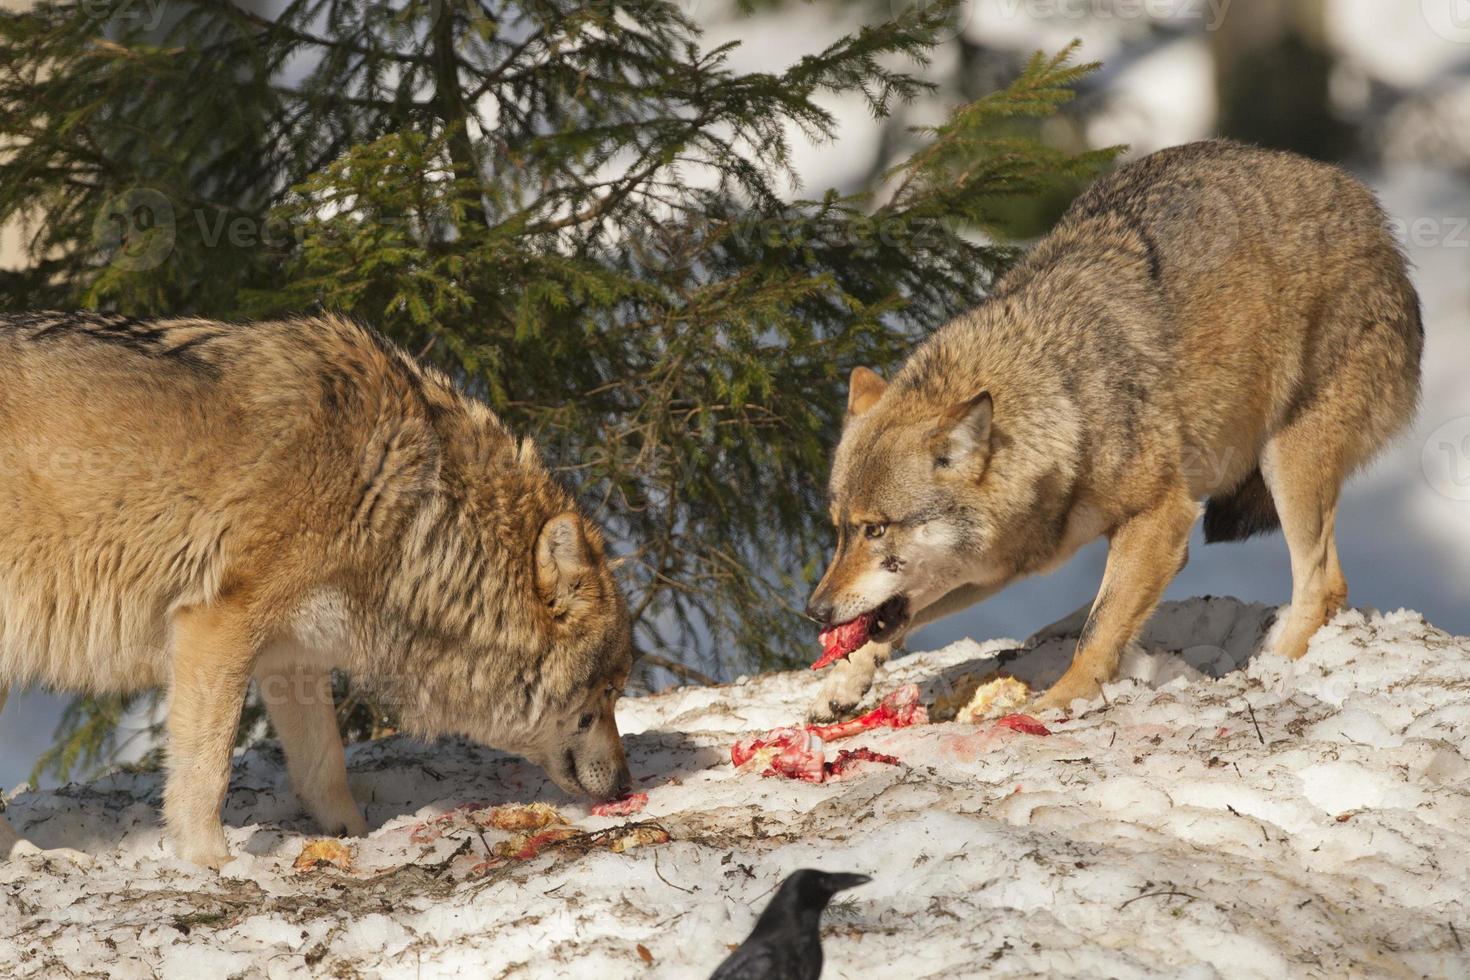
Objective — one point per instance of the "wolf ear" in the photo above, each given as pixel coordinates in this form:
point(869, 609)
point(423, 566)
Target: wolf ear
point(863, 390)
point(963, 432)
point(562, 561)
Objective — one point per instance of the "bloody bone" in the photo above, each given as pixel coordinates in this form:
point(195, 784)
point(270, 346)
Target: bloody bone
point(795, 753)
point(843, 639)
point(900, 709)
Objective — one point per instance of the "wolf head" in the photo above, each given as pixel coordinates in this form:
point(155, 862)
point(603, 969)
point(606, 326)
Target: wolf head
point(908, 500)
point(576, 739)
point(512, 629)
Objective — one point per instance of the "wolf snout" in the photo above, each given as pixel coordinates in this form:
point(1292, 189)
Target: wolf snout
point(607, 784)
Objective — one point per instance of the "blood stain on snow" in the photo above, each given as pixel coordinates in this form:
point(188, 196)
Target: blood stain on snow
point(1023, 723)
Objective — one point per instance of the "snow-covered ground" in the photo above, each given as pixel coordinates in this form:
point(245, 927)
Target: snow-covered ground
point(1221, 814)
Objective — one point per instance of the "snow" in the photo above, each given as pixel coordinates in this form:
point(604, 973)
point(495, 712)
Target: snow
point(1224, 812)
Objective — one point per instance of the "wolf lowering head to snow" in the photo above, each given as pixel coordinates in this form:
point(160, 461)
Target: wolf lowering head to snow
point(1213, 322)
point(191, 505)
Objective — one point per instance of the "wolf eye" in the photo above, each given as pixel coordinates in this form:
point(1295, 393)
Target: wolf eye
point(874, 530)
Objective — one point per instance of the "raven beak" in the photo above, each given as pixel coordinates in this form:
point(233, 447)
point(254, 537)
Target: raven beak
point(842, 880)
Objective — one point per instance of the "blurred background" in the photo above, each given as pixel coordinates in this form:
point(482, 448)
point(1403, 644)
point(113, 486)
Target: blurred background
point(1382, 87)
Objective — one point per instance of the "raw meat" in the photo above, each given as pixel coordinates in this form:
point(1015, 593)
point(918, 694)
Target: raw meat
point(795, 753)
point(900, 709)
point(843, 639)
point(848, 757)
point(799, 753)
point(623, 806)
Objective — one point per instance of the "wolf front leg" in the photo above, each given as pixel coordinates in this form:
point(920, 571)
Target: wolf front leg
point(213, 654)
point(1144, 555)
point(299, 700)
point(849, 680)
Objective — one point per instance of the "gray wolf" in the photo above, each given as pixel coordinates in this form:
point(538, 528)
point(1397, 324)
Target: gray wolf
point(190, 504)
point(1213, 323)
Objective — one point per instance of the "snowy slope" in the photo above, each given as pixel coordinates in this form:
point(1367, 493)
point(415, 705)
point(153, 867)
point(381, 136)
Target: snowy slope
point(1166, 832)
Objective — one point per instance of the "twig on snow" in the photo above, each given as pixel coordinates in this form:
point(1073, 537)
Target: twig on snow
point(1162, 891)
point(1254, 722)
point(686, 891)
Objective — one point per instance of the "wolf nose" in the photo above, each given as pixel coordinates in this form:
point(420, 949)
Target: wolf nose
point(819, 612)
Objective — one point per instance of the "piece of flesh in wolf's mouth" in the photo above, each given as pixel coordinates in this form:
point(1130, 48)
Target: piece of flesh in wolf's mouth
point(843, 639)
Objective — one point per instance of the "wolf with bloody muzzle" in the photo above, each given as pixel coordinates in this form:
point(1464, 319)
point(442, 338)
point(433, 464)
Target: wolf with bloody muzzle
point(1214, 323)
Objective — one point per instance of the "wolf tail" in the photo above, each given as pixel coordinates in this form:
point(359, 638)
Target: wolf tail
point(1246, 511)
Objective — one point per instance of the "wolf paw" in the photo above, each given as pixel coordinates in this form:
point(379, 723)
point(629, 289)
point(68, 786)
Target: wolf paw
point(824, 711)
point(841, 692)
point(212, 860)
point(340, 816)
point(205, 848)
point(1064, 692)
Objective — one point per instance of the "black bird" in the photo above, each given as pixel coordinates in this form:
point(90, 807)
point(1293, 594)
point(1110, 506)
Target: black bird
point(786, 943)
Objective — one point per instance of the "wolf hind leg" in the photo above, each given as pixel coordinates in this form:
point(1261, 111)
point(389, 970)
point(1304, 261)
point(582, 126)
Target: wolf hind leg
point(1144, 555)
point(1367, 393)
point(1305, 486)
point(299, 701)
point(13, 846)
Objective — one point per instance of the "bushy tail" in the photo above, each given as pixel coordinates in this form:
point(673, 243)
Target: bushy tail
point(1246, 511)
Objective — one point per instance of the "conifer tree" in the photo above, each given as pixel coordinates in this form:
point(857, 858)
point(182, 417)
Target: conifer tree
point(573, 206)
